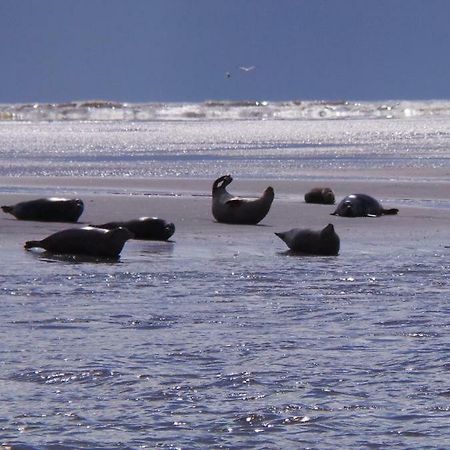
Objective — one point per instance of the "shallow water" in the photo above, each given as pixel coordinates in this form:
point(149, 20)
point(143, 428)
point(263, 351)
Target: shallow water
point(179, 347)
point(249, 149)
point(231, 345)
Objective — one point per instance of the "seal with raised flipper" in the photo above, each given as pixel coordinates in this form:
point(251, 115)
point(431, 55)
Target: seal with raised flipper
point(51, 209)
point(324, 242)
point(228, 208)
point(361, 205)
point(145, 228)
point(87, 241)
point(321, 195)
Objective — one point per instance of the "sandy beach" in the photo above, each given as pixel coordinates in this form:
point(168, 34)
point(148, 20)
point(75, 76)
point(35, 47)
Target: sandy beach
point(187, 202)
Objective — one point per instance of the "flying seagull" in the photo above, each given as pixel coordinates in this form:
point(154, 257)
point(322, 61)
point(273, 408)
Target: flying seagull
point(247, 68)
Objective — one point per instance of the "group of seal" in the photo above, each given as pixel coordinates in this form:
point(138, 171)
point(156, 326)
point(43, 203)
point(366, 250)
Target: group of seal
point(103, 241)
point(108, 239)
point(227, 208)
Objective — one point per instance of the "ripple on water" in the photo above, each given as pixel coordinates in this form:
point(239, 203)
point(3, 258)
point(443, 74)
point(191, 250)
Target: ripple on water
point(63, 376)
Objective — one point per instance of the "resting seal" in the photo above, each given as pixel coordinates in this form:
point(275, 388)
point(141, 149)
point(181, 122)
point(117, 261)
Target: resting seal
point(227, 208)
point(324, 196)
point(145, 228)
point(47, 209)
point(361, 205)
point(85, 241)
point(324, 242)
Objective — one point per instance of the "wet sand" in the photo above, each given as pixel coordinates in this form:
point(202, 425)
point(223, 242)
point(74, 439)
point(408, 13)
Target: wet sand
point(424, 218)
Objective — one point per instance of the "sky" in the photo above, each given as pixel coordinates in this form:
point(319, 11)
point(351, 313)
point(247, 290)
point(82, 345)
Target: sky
point(181, 50)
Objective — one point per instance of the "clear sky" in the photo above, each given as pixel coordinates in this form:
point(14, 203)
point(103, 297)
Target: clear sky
point(180, 50)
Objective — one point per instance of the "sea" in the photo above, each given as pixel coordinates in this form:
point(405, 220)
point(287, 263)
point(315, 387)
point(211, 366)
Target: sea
point(188, 349)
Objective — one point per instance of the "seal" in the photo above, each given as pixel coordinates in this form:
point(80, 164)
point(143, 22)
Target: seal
point(361, 205)
point(227, 208)
point(322, 195)
point(144, 228)
point(324, 242)
point(47, 209)
point(87, 241)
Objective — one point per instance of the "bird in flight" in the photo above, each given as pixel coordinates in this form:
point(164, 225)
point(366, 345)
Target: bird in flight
point(247, 68)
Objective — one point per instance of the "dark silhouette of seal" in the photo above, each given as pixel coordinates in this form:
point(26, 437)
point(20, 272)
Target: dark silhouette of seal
point(47, 209)
point(324, 242)
point(86, 241)
point(324, 196)
point(145, 228)
point(227, 208)
point(361, 205)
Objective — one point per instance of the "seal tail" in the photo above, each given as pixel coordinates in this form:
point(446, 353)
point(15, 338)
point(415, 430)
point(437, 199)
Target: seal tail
point(391, 211)
point(7, 209)
point(31, 244)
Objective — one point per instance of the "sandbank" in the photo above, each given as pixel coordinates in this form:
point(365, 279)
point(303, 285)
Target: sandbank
point(423, 221)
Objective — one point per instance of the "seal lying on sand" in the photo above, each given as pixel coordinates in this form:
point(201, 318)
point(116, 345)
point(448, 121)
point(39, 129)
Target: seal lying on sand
point(361, 205)
point(146, 228)
point(85, 241)
point(325, 242)
point(47, 209)
point(227, 208)
point(324, 196)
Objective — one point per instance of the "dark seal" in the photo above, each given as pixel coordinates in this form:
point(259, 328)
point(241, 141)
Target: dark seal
point(324, 242)
point(47, 210)
point(85, 241)
point(145, 228)
point(228, 208)
point(361, 205)
point(322, 195)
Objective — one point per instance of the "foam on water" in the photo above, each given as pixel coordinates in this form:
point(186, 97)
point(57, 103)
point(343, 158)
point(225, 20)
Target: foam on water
point(99, 110)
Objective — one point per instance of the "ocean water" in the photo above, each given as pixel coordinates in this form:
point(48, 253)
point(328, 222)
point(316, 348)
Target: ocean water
point(179, 345)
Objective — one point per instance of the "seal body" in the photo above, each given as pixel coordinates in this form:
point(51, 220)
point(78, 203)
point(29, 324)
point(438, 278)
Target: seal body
point(47, 209)
point(324, 196)
point(227, 208)
point(145, 228)
point(86, 241)
point(361, 205)
point(324, 242)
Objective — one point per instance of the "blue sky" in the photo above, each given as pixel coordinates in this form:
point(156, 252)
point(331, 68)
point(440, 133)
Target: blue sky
point(180, 50)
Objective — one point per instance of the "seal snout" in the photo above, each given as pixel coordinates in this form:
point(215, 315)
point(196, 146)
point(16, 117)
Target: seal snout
point(347, 209)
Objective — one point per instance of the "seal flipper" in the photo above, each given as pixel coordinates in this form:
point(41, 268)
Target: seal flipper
point(391, 211)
